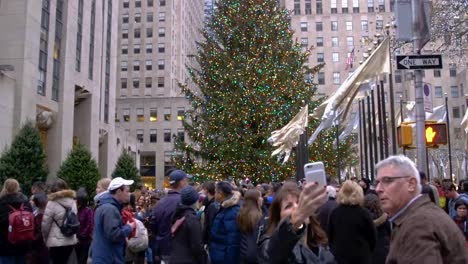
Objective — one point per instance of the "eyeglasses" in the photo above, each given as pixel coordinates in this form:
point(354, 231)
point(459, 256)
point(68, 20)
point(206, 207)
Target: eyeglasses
point(385, 181)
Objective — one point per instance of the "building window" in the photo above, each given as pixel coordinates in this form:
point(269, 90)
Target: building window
point(126, 3)
point(149, 17)
point(162, 2)
point(140, 114)
point(349, 42)
point(167, 114)
point(320, 57)
point(334, 41)
point(160, 64)
point(349, 25)
point(344, 6)
point(370, 6)
point(321, 78)
point(57, 50)
point(124, 49)
point(437, 73)
point(137, 33)
point(333, 7)
point(304, 26)
point(160, 82)
point(79, 36)
point(148, 82)
point(125, 33)
point(123, 65)
point(167, 135)
point(398, 78)
point(454, 91)
point(107, 59)
point(180, 113)
point(136, 83)
point(123, 83)
point(456, 112)
point(149, 65)
point(140, 135)
point(150, 3)
point(153, 136)
point(153, 114)
point(149, 32)
point(137, 3)
point(136, 49)
point(453, 70)
point(319, 41)
point(305, 42)
point(136, 65)
point(308, 7)
point(334, 26)
point(379, 24)
point(336, 57)
point(126, 114)
point(336, 78)
point(381, 5)
point(125, 18)
point(364, 25)
point(355, 6)
point(438, 93)
point(318, 26)
point(137, 17)
point(161, 47)
point(319, 7)
point(43, 47)
point(162, 32)
point(162, 16)
point(149, 48)
point(297, 7)
point(180, 134)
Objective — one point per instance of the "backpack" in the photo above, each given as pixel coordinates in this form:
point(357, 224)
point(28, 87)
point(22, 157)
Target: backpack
point(20, 225)
point(139, 242)
point(70, 224)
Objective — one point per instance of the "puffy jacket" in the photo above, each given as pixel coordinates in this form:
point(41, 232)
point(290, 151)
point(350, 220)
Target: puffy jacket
point(15, 200)
point(286, 246)
point(225, 235)
point(110, 233)
point(86, 218)
point(187, 240)
point(53, 217)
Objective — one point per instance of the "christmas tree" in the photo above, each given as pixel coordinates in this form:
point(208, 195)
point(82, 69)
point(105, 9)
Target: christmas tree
point(126, 169)
point(25, 159)
point(251, 80)
point(80, 170)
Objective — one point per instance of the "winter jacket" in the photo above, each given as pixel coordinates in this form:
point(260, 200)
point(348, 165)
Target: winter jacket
point(86, 218)
point(225, 235)
point(110, 233)
point(451, 204)
point(286, 246)
point(54, 215)
point(462, 223)
point(424, 233)
point(211, 207)
point(15, 200)
point(325, 211)
point(187, 245)
point(351, 234)
point(248, 246)
point(161, 218)
point(38, 253)
point(382, 244)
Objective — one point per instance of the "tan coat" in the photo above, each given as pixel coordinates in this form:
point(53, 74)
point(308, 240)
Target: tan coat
point(53, 237)
point(424, 233)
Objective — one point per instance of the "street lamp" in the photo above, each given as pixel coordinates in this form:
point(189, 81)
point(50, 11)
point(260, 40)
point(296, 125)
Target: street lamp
point(448, 136)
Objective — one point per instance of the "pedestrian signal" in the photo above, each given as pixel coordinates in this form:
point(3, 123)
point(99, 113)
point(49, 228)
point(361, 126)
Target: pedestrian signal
point(436, 134)
point(405, 135)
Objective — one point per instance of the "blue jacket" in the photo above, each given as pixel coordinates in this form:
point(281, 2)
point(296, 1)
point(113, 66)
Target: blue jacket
point(109, 235)
point(225, 235)
point(161, 218)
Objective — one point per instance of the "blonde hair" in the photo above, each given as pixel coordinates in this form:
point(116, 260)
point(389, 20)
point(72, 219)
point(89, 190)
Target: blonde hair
point(104, 183)
point(10, 186)
point(350, 194)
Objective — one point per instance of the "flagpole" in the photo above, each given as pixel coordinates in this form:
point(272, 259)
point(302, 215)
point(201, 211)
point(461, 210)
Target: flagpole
point(364, 127)
point(384, 119)
point(361, 138)
point(381, 120)
point(371, 156)
point(392, 99)
point(374, 127)
point(448, 137)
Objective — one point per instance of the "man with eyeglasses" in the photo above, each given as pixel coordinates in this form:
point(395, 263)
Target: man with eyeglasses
point(422, 232)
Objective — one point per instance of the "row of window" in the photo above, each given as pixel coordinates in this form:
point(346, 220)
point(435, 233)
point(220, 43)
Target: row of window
point(153, 135)
point(149, 3)
point(335, 42)
point(153, 114)
point(136, 65)
point(319, 26)
point(149, 17)
point(149, 33)
point(136, 83)
point(334, 7)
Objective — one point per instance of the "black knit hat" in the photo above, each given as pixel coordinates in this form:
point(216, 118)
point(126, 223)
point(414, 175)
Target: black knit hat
point(188, 195)
point(224, 187)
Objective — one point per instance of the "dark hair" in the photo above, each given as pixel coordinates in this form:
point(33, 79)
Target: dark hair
point(39, 186)
point(448, 186)
point(40, 200)
point(132, 201)
point(82, 197)
point(224, 187)
point(459, 203)
point(422, 175)
point(122, 188)
point(250, 212)
point(56, 185)
point(276, 186)
point(372, 203)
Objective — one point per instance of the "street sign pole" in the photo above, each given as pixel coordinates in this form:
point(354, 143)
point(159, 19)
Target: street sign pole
point(418, 85)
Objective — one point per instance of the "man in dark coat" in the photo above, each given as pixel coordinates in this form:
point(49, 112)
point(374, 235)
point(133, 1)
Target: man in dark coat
point(162, 214)
point(422, 232)
point(211, 207)
point(327, 208)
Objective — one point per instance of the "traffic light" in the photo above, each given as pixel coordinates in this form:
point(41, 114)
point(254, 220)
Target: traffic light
point(405, 135)
point(436, 134)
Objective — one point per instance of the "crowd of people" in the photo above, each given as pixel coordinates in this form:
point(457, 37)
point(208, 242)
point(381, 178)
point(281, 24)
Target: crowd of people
point(399, 218)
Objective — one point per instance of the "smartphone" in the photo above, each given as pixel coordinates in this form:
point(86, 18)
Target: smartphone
point(315, 172)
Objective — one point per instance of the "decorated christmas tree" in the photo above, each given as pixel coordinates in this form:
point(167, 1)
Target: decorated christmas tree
point(252, 79)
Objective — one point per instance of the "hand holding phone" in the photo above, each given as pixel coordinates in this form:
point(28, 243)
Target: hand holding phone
point(315, 172)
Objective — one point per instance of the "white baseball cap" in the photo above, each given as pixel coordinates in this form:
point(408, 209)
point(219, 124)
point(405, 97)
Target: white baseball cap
point(118, 182)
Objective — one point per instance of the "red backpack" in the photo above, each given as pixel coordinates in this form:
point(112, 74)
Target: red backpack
point(20, 225)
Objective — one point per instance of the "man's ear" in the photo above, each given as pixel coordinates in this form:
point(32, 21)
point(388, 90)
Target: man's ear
point(413, 184)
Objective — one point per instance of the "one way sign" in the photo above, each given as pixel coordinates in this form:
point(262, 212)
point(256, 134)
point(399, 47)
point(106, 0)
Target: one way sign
point(419, 62)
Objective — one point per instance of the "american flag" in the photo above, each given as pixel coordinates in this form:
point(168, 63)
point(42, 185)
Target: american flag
point(350, 59)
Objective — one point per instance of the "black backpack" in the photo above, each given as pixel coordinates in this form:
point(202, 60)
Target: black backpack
point(70, 224)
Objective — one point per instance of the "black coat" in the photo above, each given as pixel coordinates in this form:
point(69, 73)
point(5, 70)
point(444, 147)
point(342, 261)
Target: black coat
point(325, 211)
point(210, 212)
point(351, 234)
point(15, 200)
point(187, 244)
point(383, 238)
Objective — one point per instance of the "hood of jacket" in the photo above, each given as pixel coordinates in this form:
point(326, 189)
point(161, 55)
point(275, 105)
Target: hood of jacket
point(98, 196)
point(107, 198)
point(182, 210)
point(381, 219)
point(61, 194)
point(232, 200)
